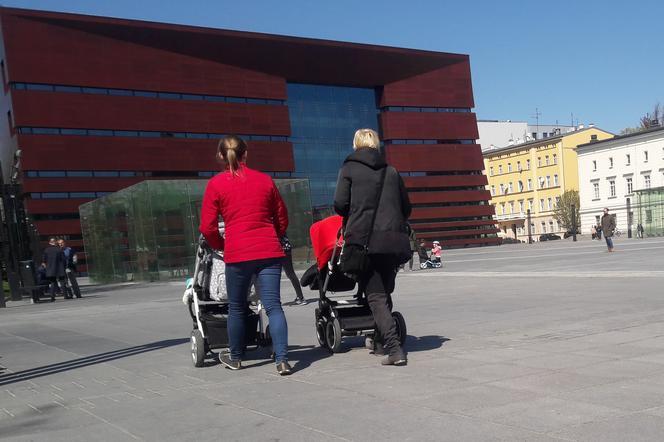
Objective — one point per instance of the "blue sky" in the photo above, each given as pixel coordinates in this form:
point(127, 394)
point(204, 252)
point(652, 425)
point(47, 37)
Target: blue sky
point(600, 60)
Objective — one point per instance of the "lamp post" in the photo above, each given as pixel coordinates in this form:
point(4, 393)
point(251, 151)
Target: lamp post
point(630, 218)
point(574, 223)
point(530, 233)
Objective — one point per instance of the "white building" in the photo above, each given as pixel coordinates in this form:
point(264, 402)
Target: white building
point(497, 134)
point(611, 170)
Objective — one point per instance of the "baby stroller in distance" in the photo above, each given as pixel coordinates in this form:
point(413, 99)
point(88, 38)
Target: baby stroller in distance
point(335, 318)
point(427, 262)
point(206, 299)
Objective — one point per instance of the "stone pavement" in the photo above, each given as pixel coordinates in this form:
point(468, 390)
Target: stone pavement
point(547, 342)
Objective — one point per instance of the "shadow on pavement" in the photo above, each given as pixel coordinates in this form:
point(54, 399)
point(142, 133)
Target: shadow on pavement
point(86, 361)
point(424, 343)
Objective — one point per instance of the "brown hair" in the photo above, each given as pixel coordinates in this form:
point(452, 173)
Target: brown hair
point(232, 149)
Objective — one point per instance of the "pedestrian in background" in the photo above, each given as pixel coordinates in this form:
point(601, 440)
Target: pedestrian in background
point(599, 231)
point(639, 230)
point(290, 271)
point(608, 227)
point(70, 268)
point(53, 260)
point(413, 246)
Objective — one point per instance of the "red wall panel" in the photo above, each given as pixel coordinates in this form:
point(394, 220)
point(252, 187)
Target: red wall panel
point(445, 180)
point(58, 152)
point(71, 110)
point(463, 242)
point(429, 126)
point(78, 184)
point(449, 196)
point(54, 206)
point(59, 227)
point(451, 212)
point(435, 157)
point(449, 86)
point(460, 232)
point(44, 52)
point(443, 225)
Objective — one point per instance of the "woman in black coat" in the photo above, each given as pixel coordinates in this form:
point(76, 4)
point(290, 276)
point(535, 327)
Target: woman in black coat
point(355, 200)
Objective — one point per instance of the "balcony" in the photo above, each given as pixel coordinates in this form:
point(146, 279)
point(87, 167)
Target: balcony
point(511, 216)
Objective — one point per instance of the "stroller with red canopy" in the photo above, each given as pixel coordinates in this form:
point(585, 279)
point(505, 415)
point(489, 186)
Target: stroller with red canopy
point(337, 316)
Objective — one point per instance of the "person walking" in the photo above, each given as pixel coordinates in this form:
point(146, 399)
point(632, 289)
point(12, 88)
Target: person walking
point(290, 271)
point(608, 223)
point(639, 230)
point(375, 222)
point(256, 217)
point(70, 268)
point(53, 260)
point(412, 236)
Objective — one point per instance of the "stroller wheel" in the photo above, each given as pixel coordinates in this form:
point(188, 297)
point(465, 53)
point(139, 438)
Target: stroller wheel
point(197, 348)
point(423, 265)
point(321, 325)
point(333, 335)
point(400, 323)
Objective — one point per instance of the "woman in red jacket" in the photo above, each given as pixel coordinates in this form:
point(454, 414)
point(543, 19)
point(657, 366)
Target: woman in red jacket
point(255, 217)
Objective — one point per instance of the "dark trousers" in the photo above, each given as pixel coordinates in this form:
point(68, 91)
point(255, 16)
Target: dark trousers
point(71, 277)
point(53, 282)
point(378, 285)
point(290, 273)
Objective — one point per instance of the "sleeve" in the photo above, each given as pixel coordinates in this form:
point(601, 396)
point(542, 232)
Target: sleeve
point(280, 212)
point(406, 207)
point(342, 194)
point(44, 257)
point(210, 218)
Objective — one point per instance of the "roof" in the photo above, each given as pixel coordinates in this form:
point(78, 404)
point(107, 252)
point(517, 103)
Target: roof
point(547, 140)
point(622, 137)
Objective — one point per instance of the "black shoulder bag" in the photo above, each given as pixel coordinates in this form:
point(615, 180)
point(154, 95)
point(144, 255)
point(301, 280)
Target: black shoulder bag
point(354, 258)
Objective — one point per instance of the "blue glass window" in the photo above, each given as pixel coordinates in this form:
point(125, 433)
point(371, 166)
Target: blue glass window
point(323, 122)
point(79, 173)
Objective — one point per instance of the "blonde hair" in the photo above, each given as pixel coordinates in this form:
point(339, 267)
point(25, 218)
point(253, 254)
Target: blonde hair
point(232, 149)
point(366, 138)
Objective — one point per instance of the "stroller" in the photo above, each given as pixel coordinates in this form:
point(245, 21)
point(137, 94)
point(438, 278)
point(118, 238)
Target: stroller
point(337, 317)
point(205, 296)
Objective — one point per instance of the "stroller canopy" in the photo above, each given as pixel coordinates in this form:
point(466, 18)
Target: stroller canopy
point(323, 238)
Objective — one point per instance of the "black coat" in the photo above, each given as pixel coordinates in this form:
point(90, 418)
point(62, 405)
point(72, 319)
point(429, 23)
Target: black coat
point(355, 200)
point(54, 259)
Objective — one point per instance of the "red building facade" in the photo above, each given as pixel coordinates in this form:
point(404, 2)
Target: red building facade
point(97, 104)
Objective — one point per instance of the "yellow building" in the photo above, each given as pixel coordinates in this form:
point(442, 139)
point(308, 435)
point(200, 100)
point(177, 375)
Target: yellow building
point(532, 176)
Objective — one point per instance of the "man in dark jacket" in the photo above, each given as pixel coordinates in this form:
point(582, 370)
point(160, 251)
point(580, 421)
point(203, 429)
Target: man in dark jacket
point(358, 187)
point(70, 269)
point(53, 261)
point(608, 223)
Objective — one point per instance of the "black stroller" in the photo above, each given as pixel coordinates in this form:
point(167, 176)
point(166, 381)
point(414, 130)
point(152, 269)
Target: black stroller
point(208, 307)
point(337, 317)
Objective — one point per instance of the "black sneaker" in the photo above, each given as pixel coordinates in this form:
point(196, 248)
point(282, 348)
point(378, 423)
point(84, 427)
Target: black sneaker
point(229, 363)
point(300, 301)
point(284, 368)
point(398, 358)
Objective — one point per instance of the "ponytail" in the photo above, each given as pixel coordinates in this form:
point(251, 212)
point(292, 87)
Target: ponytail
point(232, 148)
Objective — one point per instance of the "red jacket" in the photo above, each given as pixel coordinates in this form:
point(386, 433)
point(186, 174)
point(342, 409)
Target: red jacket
point(254, 213)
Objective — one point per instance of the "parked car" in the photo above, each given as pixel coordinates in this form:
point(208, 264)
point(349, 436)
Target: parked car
point(548, 237)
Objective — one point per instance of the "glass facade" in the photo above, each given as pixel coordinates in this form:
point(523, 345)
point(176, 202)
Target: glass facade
point(323, 122)
point(651, 211)
point(149, 231)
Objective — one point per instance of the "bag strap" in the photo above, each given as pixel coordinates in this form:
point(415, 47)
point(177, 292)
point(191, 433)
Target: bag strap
point(380, 193)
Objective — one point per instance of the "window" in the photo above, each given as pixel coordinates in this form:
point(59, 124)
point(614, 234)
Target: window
point(543, 227)
point(550, 226)
point(646, 181)
point(557, 201)
point(502, 189)
point(491, 171)
point(555, 180)
point(645, 156)
point(509, 187)
point(610, 162)
point(493, 190)
point(520, 186)
point(509, 167)
point(521, 206)
point(630, 185)
point(544, 134)
point(542, 205)
point(511, 206)
point(532, 228)
point(530, 184)
point(541, 182)
point(612, 188)
point(518, 166)
point(596, 190)
point(539, 162)
point(629, 159)
point(548, 181)
point(594, 165)
point(500, 169)
point(530, 205)
point(555, 159)
point(502, 208)
point(534, 134)
point(549, 202)
point(527, 164)
point(546, 160)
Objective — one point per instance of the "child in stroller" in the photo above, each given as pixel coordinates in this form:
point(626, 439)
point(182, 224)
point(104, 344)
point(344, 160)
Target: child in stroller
point(205, 296)
point(338, 317)
point(426, 261)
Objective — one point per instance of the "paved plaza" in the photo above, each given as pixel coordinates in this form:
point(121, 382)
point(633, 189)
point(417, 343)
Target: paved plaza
point(555, 341)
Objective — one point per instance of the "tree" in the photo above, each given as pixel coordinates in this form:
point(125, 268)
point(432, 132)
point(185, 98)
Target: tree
point(563, 211)
point(648, 121)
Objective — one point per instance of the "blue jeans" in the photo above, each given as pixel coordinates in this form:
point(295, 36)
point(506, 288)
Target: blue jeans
point(609, 241)
point(268, 279)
